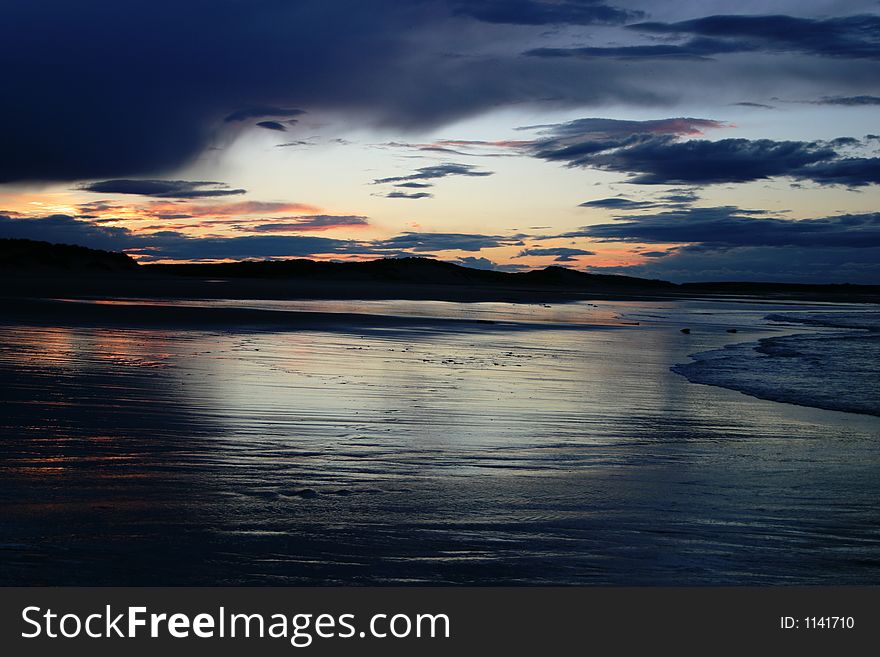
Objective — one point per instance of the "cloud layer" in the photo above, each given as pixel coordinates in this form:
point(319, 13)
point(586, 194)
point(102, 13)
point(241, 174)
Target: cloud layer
point(652, 152)
point(93, 92)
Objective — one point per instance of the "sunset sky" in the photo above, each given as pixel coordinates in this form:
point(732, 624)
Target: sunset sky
point(662, 139)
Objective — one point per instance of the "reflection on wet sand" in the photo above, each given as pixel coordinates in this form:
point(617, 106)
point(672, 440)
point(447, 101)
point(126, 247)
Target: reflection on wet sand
point(419, 455)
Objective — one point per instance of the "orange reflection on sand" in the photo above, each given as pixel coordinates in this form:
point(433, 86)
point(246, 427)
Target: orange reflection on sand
point(57, 346)
point(61, 347)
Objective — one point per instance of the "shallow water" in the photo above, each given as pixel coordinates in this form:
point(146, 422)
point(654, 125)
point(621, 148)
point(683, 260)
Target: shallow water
point(387, 456)
point(838, 370)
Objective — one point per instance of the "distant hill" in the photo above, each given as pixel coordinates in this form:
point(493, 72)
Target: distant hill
point(32, 256)
point(424, 271)
point(45, 269)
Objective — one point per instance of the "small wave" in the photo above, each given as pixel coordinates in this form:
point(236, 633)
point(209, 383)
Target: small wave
point(868, 321)
point(833, 371)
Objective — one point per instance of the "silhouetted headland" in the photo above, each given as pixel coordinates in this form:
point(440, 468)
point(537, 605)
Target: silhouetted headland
point(41, 269)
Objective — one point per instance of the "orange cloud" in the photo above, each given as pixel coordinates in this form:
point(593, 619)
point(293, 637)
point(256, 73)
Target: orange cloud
point(245, 208)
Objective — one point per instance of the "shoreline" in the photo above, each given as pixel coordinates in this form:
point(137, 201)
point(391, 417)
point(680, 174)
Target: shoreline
point(55, 312)
point(150, 287)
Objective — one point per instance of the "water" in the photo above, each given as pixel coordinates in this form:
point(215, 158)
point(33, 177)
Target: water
point(565, 452)
point(838, 370)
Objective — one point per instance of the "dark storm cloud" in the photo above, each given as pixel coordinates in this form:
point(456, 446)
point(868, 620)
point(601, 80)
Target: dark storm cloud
point(163, 188)
point(561, 254)
point(261, 112)
point(144, 90)
point(414, 185)
point(92, 91)
point(272, 125)
point(721, 228)
point(436, 171)
point(544, 12)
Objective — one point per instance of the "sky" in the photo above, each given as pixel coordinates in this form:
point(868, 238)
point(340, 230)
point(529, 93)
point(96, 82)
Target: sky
point(674, 140)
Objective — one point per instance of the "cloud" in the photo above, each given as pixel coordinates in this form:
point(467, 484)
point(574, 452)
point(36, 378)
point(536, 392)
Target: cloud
point(174, 245)
point(484, 263)
point(604, 129)
point(753, 105)
point(245, 208)
point(319, 222)
point(732, 244)
point(847, 101)
point(166, 244)
point(261, 112)
point(663, 160)
point(163, 188)
point(852, 171)
point(182, 209)
point(465, 147)
point(683, 196)
point(185, 73)
point(181, 71)
point(544, 12)
point(696, 49)
point(787, 264)
point(416, 195)
point(427, 242)
point(850, 37)
point(63, 229)
point(725, 227)
point(272, 125)
point(414, 185)
point(617, 203)
point(560, 254)
point(652, 153)
point(436, 171)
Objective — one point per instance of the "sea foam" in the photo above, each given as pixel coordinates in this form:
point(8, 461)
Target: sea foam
point(827, 368)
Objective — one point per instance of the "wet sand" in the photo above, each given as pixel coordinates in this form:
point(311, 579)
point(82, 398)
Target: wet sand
point(422, 446)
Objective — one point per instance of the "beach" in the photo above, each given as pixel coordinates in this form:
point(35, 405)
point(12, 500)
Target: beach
point(261, 442)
